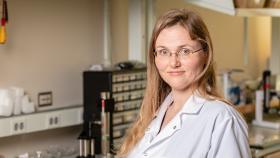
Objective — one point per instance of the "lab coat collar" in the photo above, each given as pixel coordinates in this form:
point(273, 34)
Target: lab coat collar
point(165, 104)
point(191, 106)
point(194, 104)
point(160, 114)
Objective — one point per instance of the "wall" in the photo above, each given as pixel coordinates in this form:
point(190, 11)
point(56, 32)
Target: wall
point(50, 43)
point(227, 34)
point(119, 30)
point(260, 45)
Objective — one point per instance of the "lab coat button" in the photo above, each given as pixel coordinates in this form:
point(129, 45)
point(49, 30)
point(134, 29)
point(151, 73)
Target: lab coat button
point(174, 127)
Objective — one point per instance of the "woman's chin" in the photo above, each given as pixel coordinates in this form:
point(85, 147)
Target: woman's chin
point(179, 87)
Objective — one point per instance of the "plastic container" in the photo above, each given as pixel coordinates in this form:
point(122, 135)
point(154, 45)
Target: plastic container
point(6, 103)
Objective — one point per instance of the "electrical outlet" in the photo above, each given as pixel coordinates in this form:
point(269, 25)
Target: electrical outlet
point(53, 120)
point(18, 125)
point(44, 99)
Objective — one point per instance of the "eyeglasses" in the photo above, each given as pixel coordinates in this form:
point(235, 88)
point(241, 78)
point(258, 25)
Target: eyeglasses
point(182, 53)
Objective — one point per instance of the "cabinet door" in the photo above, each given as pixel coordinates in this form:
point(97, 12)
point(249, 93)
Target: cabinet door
point(5, 127)
point(18, 125)
point(53, 119)
point(36, 122)
point(71, 117)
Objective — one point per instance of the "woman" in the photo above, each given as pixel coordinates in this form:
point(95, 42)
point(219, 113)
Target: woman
point(182, 116)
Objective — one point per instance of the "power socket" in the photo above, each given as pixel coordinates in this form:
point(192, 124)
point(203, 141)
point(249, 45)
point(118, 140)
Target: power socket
point(45, 99)
point(53, 120)
point(18, 125)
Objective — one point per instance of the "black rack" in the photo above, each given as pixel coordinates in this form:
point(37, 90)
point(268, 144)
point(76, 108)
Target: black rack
point(126, 88)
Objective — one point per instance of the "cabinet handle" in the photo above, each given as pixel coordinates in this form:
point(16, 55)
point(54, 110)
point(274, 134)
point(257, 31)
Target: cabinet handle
point(56, 120)
point(15, 126)
point(21, 126)
point(51, 121)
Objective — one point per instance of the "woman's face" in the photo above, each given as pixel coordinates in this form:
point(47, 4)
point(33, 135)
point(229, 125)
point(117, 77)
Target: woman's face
point(178, 70)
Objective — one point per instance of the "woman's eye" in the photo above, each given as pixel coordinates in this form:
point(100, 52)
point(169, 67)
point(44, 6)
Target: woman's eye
point(185, 51)
point(163, 52)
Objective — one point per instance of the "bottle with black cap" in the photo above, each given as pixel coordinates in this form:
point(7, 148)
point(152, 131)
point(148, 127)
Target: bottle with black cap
point(86, 142)
point(266, 90)
point(107, 108)
point(90, 138)
point(82, 139)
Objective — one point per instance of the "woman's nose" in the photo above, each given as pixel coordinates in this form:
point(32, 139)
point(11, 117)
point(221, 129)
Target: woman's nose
point(174, 60)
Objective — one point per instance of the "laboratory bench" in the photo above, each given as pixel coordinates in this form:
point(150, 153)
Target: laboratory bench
point(265, 142)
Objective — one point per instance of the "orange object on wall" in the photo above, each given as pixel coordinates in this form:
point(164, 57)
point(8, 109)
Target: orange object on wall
point(3, 31)
point(4, 20)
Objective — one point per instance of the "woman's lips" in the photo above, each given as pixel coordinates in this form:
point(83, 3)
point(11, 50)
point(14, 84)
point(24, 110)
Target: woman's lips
point(175, 73)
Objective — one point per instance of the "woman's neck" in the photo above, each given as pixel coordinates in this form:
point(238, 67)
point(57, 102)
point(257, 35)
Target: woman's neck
point(180, 97)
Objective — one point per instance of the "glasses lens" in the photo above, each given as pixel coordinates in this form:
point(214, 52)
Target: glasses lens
point(184, 52)
point(163, 52)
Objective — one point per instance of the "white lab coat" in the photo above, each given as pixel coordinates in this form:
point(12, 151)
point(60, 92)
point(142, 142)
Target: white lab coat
point(202, 129)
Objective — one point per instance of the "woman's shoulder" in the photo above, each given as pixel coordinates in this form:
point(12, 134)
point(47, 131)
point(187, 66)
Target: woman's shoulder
point(221, 108)
point(221, 114)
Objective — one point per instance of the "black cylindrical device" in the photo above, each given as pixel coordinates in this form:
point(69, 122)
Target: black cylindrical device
point(266, 90)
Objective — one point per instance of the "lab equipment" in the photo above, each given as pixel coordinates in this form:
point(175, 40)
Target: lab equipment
point(111, 101)
point(259, 121)
point(266, 90)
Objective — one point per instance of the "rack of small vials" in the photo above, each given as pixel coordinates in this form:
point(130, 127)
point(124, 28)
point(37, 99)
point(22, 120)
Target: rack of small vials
point(126, 87)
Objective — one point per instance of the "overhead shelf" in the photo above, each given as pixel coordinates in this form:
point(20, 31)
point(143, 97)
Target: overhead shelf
point(258, 12)
point(227, 7)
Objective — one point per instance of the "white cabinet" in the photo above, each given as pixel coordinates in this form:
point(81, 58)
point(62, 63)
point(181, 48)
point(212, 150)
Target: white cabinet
point(18, 125)
point(227, 7)
point(53, 119)
point(35, 122)
point(5, 127)
point(41, 121)
point(71, 117)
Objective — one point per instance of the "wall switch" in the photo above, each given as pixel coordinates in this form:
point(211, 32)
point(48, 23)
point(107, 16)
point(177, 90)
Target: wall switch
point(44, 99)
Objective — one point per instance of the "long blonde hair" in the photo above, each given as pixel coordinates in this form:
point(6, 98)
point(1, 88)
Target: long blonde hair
point(157, 89)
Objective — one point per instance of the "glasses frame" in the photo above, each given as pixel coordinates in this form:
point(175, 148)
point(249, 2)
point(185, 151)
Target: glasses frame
point(178, 52)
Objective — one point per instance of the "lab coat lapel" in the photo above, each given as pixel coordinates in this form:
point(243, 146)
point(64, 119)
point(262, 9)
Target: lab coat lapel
point(192, 107)
point(154, 127)
point(168, 131)
point(193, 104)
